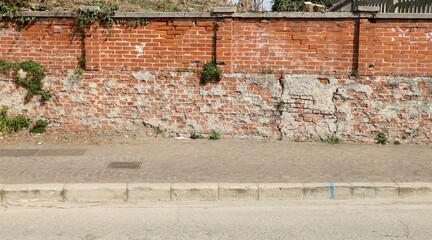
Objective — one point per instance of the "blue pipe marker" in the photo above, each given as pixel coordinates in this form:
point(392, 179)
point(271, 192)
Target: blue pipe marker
point(332, 190)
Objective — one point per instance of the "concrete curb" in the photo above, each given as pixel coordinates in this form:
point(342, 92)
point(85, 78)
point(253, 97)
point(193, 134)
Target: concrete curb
point(151, 192)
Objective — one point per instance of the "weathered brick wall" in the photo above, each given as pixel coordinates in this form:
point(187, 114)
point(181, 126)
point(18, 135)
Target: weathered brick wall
point(161, 44)
point(397, 47)
point(54, 43)
point(293, 45)
point(282, 77)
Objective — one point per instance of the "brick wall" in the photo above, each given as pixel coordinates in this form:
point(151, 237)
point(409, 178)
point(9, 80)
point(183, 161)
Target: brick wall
point(288, 77)
point(54, 43)
point(397, 47)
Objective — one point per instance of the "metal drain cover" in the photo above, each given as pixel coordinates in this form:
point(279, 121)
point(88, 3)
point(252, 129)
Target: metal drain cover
point(129, 165)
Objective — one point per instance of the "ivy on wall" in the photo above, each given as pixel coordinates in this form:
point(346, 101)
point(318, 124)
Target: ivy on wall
point(29, 75)
point(10, 10)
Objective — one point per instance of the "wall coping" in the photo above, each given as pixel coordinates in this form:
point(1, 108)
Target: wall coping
point(311, 15)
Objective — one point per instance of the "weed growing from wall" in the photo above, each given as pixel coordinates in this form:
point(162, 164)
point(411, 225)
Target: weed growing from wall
point(85, 17)
point(12, 124)
point(356, 74)
point(29, 75)
point(133, 23)
point(17, 123)
point(210, 73)
point(382, 138)
point(82, 61)
point(332, 140)
point(39, 126)
point(280, 107)
point(214, 135)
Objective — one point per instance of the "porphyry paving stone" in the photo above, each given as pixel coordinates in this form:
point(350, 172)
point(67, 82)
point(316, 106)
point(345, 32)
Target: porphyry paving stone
point(61, 152)
point(18, 152)
point(224, 161)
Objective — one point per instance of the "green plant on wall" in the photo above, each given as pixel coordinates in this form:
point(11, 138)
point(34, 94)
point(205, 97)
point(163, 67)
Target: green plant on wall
point(133, 23)
point(214, 135)
point(82, 61)
point(10, 9)
point(332, 140)
point(32, 80)
point(105, 13)
point(29, 75)
point(382, 138)
point(17, 123)
point(12, 124)
point(210, 73)
point(39, 126)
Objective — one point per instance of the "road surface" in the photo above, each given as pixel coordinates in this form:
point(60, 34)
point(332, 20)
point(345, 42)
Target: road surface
point(221, 220)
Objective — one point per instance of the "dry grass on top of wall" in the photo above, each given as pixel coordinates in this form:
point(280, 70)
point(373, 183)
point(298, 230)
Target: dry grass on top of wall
point(129, 5)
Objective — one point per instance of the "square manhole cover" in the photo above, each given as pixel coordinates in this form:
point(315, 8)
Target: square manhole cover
point(129, 165)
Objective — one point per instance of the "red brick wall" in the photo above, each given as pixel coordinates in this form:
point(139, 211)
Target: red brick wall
point(54, 43)
point(136, 79)
point(293, 45)
point(397, 47)
point(330, 46)
point(161, 44)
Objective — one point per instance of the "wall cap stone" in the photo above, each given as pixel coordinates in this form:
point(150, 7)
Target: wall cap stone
point(371, 9)
point(268, 15)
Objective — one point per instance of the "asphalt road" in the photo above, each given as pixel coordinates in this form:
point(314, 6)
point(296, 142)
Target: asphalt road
point(221, 220)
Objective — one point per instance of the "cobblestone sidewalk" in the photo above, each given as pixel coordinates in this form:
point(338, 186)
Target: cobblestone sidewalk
point(170, 160)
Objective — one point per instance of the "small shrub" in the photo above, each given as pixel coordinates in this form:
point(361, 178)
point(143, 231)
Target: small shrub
point(6, 67)
point(39, 126)
point(332, 140)
point(210, 73)
point(214, 135)
point(382, 138)
point(12, 124)
point(18, 123)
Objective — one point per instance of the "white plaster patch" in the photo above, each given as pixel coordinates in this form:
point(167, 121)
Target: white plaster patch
point(308, 85)
point(430, 112)
point(143, 76)
point(139, 50)
point(403, 33)
point(429, 36)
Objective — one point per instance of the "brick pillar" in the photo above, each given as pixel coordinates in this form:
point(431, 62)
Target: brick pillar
point(92, 47)
point(224, 35)
point(224, 44)
point(366, 40)
point(366, 58)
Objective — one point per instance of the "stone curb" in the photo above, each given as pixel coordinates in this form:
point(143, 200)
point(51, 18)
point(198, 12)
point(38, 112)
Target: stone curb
point(152, 192)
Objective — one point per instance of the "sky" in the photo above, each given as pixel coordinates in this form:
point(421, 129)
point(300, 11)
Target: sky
point(267, 4)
